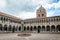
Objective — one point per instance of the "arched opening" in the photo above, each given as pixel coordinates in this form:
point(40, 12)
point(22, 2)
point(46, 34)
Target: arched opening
point(13, 29)
point(58, 27)
point(5, 27)
point(1, 27)
point(10, 27)
point(48, 28)
point(27, 28)
point(31, 28)
point(43, 28)
point(52, 28)
point(35, 28)
point(24, 28)
point(39, 29)
point(19, 28)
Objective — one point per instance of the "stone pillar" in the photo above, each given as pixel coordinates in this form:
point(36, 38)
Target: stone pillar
point(11, 28)
point(7, 27)
point(45, 28)
point(55, 28)
point(41, 29)
point(29, 28)
point(2, 28)
point(50, 29)
point(32, 28)
point(17, 28)
point(26, 28)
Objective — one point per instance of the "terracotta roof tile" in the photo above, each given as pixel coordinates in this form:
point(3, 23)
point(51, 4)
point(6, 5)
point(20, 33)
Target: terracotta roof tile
point(10, 16)
point(42, 18)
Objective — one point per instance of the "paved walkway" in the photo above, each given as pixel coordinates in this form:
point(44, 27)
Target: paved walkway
point(35, 36)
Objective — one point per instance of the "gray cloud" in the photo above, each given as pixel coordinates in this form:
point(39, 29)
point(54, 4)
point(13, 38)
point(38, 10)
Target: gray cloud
point(24, 5)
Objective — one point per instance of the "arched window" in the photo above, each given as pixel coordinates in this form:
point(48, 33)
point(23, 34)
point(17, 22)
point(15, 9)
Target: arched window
point(44, 20)
point(51, 19)
point(1, 18)
point(59, 19)
point(42, 14)
point(56, 19)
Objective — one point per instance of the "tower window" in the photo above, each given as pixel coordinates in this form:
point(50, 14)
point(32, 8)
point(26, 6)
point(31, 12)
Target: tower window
point(38, 15)
point(40, 10)
point(42, 14)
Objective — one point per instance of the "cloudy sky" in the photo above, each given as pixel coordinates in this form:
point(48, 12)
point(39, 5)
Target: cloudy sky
point(27, 8)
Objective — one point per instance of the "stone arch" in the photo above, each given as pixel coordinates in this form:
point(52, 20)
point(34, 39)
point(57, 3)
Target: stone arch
point(27, 28)
point(5, 27)
point(39, 29)
point(58, 27)
point(1, 27)
point(35, 28)
point(10, 28)
point(31, 28)
point(19, 28)
point(24, 28)
point(47, 28)
point(43, 28)
point(13, 29)
point(53, 28)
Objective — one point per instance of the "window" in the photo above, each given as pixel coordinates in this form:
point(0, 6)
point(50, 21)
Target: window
point(1, 18)
point(40, 10)
point(51, 20)
point(38, 15)
point(59, 19)
point(54, 19)
point(42, 14)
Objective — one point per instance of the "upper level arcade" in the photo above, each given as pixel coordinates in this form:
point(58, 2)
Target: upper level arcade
point(9, 18)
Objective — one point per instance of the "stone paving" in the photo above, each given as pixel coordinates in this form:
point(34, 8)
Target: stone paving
point(35, 36)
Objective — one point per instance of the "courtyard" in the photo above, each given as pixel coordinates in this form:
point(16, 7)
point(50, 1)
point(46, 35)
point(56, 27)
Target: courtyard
point(34, 36)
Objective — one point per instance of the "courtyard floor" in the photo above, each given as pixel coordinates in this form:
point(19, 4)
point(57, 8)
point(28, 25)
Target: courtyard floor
point(35, 36)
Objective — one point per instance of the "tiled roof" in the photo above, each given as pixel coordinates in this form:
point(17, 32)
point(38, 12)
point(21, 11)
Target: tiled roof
point(41, 18)
point(10, 16)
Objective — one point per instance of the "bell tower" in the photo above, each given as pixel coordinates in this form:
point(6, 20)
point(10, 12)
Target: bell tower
point(41, 12)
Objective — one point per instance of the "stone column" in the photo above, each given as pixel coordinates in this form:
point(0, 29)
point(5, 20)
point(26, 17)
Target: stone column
point(50, 29)
point(7, 28)
point(55, 28)
point(45, 28)
point(41, 29)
